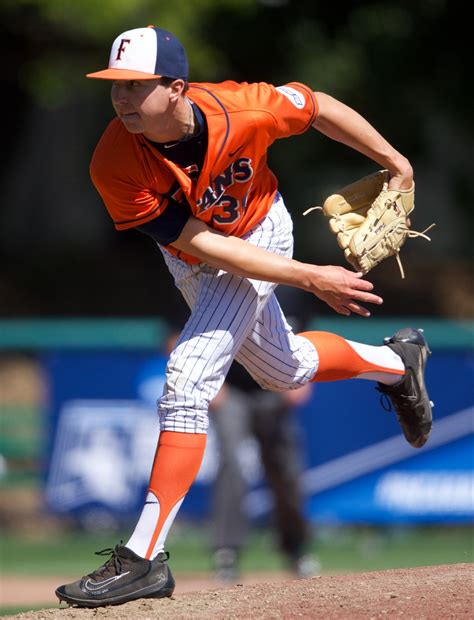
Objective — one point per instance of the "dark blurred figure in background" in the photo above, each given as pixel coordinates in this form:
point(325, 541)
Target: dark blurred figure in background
point(242, 411)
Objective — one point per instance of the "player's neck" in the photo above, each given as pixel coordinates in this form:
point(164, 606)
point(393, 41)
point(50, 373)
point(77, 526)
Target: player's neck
point(181, 126)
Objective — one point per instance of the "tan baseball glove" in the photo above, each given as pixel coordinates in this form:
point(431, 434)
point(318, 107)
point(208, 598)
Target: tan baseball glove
point(371, 221)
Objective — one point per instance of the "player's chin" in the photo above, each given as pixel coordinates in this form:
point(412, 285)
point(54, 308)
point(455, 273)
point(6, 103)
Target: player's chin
point(132, 123)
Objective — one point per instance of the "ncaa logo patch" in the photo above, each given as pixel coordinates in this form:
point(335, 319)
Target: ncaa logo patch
point(296, 98)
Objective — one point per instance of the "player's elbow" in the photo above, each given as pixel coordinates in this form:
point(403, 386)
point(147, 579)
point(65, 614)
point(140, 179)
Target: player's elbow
point(197, 239)
point(326, 107)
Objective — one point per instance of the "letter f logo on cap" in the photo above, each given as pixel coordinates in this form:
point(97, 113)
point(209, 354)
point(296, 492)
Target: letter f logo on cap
point(121, 49)
point(145, 54)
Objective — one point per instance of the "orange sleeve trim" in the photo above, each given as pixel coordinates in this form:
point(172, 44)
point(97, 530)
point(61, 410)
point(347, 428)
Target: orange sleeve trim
point(314, 101)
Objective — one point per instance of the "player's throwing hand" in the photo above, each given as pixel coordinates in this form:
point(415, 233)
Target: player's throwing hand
point(343, 290)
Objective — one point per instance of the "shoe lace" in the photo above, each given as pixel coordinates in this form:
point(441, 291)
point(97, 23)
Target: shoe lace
point(113, 566)
point(385, 401)
point(401, 402)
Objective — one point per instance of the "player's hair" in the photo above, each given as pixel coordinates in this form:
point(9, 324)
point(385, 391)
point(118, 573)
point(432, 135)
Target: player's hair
point(166, 81)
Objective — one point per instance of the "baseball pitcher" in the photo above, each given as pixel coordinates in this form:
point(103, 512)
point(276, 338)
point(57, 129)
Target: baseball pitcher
point(186, 164)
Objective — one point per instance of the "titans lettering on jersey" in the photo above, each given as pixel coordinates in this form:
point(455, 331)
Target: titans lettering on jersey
point(234, 188)
point(239, 171)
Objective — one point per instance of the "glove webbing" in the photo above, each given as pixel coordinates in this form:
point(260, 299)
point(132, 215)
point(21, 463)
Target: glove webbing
point(411, 234)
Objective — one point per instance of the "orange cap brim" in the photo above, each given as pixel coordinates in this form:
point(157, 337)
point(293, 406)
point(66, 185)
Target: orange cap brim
point(122, 74)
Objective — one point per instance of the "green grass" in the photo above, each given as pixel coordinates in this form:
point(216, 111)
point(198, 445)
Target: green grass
point(339, 549)
point(11, 611)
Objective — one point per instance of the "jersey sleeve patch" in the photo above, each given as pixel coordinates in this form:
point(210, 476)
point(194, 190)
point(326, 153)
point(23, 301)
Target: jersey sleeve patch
point(295, 97)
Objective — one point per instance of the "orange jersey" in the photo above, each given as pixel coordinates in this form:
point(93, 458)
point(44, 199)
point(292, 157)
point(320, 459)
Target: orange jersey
point(235, 189)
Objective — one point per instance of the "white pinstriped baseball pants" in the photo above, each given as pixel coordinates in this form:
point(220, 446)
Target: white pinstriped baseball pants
point(232, 318)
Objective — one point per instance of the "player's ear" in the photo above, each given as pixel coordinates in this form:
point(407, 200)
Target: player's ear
point(177, 88)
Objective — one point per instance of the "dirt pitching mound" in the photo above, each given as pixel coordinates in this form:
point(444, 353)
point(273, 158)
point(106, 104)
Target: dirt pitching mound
point(427, 592)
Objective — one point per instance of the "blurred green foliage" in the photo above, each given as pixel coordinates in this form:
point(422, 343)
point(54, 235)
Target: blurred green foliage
point(68, 37)
point(365, 50)
point(401, 63)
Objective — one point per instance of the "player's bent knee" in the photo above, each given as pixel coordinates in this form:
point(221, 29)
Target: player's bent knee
point(281, 385)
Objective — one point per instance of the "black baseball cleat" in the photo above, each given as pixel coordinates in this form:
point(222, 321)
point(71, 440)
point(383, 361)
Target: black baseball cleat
point(409, 396)
point(124, 577)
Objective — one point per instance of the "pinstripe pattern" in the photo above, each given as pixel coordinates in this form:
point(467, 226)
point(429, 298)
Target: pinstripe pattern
point(231, 317)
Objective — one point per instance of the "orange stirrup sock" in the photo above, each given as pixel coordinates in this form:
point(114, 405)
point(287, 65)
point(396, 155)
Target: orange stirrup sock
point(177, 461)
point(339, 360)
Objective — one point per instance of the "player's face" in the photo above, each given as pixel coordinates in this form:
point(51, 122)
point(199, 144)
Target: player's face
point(142, 105)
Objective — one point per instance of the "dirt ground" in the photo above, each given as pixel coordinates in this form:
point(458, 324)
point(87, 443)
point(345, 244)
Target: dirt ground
point(429, 593)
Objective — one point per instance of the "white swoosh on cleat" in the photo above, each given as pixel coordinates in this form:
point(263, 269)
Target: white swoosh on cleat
point(93, 586)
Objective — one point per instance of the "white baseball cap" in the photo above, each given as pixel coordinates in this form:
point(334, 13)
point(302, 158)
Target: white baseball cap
point(145, 54)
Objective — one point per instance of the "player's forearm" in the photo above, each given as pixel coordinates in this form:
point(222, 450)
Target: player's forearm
point(342, 290)
point(343, 124)
point(240, 257)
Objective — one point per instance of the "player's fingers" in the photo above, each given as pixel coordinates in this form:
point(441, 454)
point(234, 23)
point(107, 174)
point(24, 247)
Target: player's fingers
point(358, 309)
point(342, 310)
point(339, 308)
point(363, 285)
point(368, 298)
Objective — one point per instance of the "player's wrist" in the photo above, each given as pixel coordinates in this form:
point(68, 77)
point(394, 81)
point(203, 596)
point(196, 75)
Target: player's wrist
point(401, 174)
point(310, 277)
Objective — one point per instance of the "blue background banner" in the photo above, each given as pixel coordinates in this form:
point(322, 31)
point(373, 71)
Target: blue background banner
point(357, 466)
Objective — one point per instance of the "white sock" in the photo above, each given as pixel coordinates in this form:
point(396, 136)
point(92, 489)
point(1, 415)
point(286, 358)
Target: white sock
point(381, 356)
point(141, 537)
